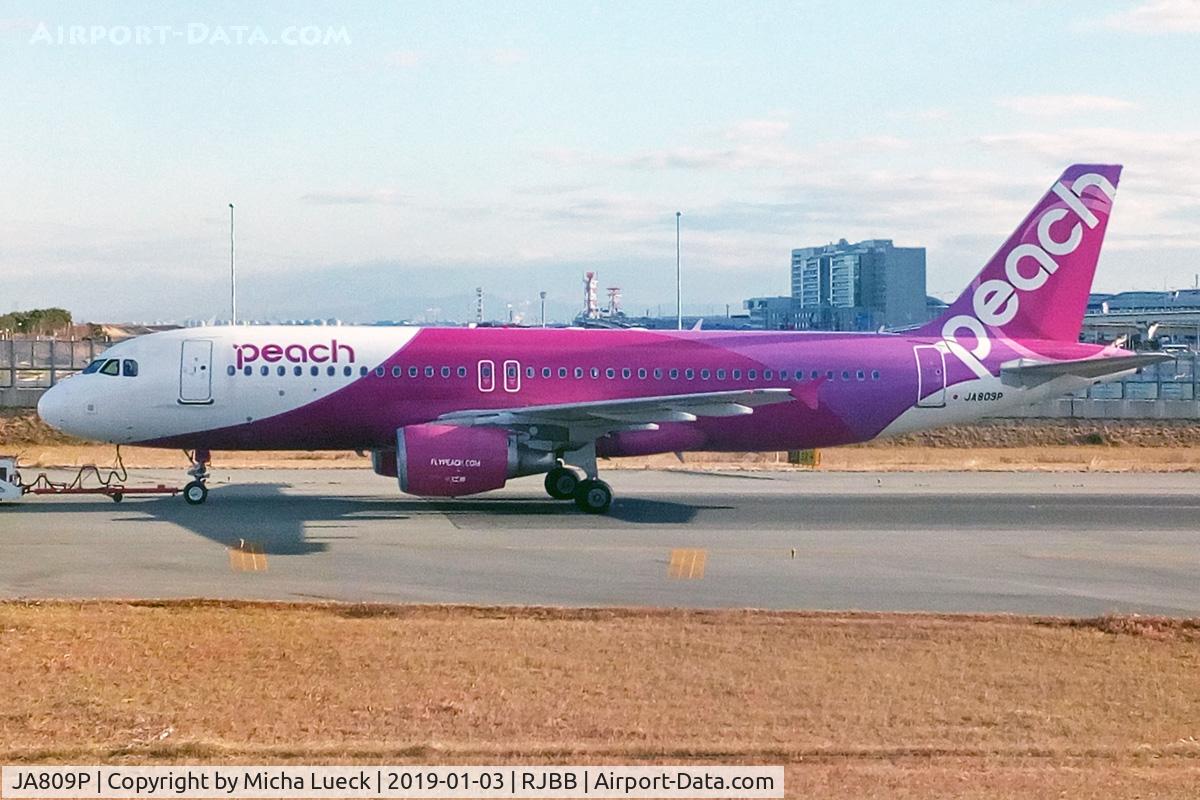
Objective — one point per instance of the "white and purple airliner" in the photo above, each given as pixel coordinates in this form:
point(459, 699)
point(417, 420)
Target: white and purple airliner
point(457, 411)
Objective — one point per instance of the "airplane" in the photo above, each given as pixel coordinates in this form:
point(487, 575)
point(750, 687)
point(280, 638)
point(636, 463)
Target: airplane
point(458, 411)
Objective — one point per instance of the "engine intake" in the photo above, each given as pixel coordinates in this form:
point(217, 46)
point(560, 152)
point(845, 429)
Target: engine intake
point(451, 461)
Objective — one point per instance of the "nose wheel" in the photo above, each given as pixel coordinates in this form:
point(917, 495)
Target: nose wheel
point(196, 492)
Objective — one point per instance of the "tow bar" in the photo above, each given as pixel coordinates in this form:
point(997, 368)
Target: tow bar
point(111, 484)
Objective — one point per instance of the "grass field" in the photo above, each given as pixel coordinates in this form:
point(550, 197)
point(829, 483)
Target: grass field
point(853, 704)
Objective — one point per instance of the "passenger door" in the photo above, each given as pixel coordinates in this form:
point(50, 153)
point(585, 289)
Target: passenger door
point(195, 372)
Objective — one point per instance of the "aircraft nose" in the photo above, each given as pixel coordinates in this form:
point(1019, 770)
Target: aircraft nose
point(52, 407)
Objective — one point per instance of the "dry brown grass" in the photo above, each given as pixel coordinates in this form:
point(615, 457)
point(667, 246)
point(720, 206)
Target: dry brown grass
point(854, 704)
point(862, 458)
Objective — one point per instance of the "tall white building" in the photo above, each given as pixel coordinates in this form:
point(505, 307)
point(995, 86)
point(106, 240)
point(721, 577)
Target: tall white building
point(860, 286)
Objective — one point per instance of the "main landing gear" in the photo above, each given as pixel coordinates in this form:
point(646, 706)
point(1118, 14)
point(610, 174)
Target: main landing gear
point(576, 478)
point(196, 492)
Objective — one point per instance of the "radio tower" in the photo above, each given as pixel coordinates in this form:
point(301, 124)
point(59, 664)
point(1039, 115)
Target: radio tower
point(479, 304)
point(591, 307)
point(614, 300)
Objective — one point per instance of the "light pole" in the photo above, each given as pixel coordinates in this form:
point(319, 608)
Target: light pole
point(542, 295)
point(232, 274)
point(678, 278)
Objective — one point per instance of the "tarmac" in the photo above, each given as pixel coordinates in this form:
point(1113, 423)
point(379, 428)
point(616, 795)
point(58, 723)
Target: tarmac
point(1077, 544)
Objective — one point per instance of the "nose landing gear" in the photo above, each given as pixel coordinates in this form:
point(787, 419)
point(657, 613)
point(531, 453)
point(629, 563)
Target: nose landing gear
point(196, 492)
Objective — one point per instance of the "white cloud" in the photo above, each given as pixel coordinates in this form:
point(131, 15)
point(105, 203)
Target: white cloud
point(757, 129)
point(404, 59)
point(507, 57)
point(378, 197)
point(1157, 16)
point(1063, 104)
point(1161, 177)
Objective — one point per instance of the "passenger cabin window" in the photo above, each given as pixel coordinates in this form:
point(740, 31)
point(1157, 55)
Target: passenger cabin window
point(111, 367)
point(265, 370)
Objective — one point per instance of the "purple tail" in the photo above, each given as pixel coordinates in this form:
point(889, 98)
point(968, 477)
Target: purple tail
point(1036, 286)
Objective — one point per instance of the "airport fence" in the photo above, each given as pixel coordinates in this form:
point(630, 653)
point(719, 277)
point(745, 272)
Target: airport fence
point(29, 367)
point(1170, 390)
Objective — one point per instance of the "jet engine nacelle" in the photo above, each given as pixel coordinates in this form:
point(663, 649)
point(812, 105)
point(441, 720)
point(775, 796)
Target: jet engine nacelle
point(449, 461)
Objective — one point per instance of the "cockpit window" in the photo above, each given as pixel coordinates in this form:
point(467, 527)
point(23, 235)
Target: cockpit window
point(111, 367)
point(93, 367)
point(129, 368)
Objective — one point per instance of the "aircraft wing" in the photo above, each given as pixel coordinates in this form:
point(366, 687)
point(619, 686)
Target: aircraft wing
point(625, 414)
point(1026, 372)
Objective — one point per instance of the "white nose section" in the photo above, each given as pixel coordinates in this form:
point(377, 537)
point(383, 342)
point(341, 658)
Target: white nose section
point(52, 407)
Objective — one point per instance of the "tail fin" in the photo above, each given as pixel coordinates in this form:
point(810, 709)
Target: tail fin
point(1036, 286)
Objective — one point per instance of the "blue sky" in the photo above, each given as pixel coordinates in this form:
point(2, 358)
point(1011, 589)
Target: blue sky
point(433, 147)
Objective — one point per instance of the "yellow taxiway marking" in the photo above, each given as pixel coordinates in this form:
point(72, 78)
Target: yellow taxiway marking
point(247, 557)
point(687, 564)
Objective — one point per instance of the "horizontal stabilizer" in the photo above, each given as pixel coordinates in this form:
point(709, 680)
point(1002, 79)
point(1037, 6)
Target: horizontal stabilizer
point(1028, 373)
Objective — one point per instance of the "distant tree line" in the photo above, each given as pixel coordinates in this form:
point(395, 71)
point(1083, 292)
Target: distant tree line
point(36, 322)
